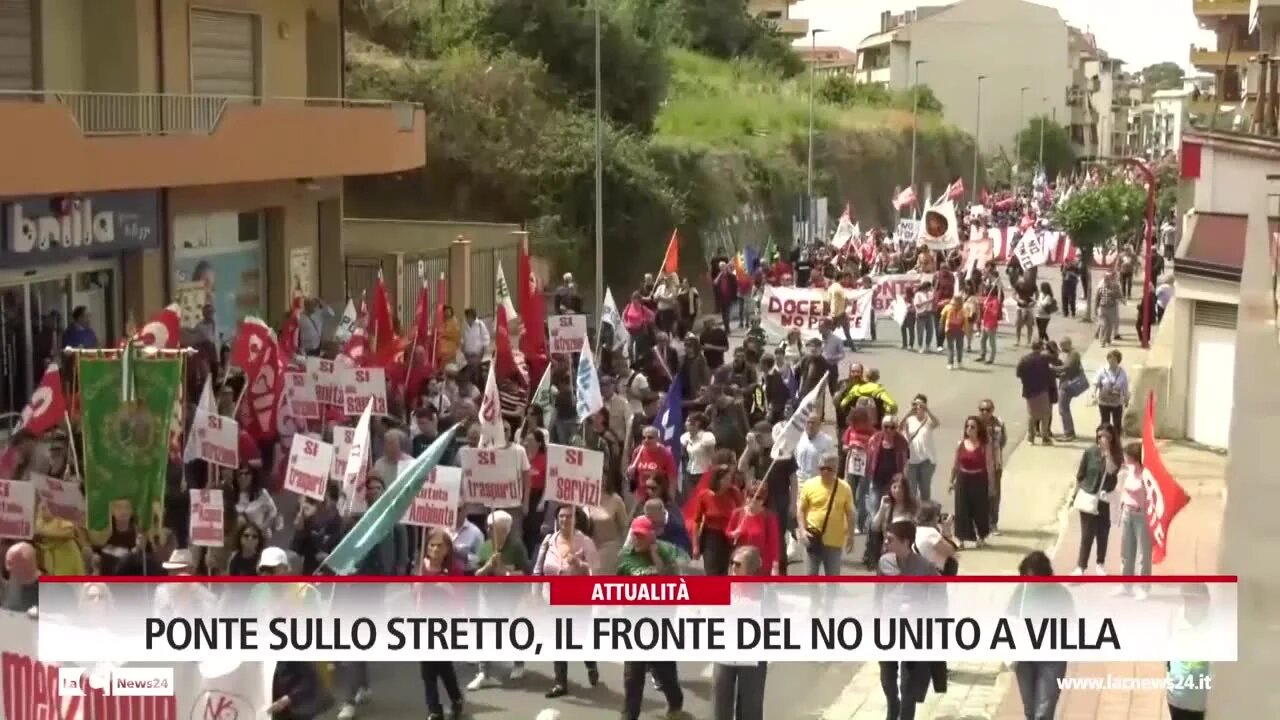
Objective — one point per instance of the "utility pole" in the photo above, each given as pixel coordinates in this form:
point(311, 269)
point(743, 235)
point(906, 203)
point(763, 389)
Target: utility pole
point(1042, 123)
point(599, 173)
point(977, 139)
point(915, 117)
point(1022, 123)
point(810, 204)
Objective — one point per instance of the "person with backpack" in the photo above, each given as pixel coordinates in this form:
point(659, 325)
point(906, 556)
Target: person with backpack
point(861, 385)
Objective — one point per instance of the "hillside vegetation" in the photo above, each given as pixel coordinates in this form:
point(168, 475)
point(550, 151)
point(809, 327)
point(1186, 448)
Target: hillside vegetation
point(707, 117)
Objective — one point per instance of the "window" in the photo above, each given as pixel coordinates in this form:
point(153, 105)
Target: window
point(225, 53)
point(218, 260)
point(17, 45)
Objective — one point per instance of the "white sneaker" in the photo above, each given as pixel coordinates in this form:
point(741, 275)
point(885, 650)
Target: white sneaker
point(709, 671)
point(517, 672)
point(347, 712)
point(1078, 571)
point(1100, 570)
point(1120, 591)
point(951, 367)
point(1139, 594)
point(480, 681)
point(363, 696)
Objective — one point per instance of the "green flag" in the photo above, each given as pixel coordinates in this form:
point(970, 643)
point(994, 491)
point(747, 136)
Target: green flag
point(127, 403)
point(544, 396)
point(388, 509)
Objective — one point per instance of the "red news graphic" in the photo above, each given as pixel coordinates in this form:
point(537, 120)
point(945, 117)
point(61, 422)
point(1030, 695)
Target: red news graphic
point(649, 591)
point(32, 691)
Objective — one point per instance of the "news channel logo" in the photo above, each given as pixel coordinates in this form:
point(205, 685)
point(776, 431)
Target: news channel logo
point(121, 682)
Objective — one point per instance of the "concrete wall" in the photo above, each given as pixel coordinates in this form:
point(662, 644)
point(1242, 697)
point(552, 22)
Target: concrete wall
point(1228, 180)
point(1016, 44)
point(1175, 414)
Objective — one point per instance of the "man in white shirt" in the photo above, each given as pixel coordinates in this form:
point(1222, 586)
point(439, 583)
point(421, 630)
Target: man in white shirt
point(311, 325)
point(813, 446)
point(918, 426)
point(475, 337)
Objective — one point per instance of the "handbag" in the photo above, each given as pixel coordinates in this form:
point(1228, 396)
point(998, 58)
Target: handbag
point(1085, 502)
point(813, 538)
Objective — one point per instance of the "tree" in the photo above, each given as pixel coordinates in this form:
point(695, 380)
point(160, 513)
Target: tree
point(1161, 76)
point(1089, 217)
point(1059, 156)
point(842, 90)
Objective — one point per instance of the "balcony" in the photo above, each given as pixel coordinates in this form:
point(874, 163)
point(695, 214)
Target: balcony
point(791, 27)
point(1204, 58)
point(1219, 8)
point(875, 76)
point(86, 142)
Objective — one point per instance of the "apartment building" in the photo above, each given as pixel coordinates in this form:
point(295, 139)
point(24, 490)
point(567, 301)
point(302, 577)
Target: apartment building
point(779, 13)
point(183, 151)
point(1020, 47)
point(1234, 48)
point(829, 59)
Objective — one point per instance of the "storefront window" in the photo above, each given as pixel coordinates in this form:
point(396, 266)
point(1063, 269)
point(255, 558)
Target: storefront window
point(217, 269)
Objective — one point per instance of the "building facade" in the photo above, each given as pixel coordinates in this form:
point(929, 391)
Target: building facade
point(779, 13)
point(175, 151)
point(829, 59)
point(1235, 46)
point(1015, 44)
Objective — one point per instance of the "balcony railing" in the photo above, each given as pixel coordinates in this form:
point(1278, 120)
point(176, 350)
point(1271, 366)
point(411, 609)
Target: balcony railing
point(1220, 7)
point(141, 114)
point(1238, 57)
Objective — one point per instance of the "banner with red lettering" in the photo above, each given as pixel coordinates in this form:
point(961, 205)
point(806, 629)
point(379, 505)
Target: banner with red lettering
point(783, 309)
point(29, 687)
point(310, 461)
point(62, 498)
point(491, 477)
point(1165, 497)
point(17, 509)
point(568, 333)
point(324, 376)
point(362, 386)
point(300, 393)
point(217, 439)
point(574, 475)
point(437, 503)
point(207, 523)
point(47, 406)
point(343, 438)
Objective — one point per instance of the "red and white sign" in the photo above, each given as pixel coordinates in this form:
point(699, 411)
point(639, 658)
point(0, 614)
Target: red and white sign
point(207, 521)
point(217, 439)
point(47, 406)
point(437, 503)
point(355, 472)
point(324, 376)
point(17, 509)
point(360, 386)
point(300, 392)
point(574, 475)
point(568, 333)
point(491, 477)
point(310, 461)
point(783, 309)
point(163, 330)
point(62, 498)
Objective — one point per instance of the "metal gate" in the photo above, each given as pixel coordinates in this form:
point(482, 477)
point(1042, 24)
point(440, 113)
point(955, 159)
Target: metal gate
point(484, 270)
point(433, 266)
point(361, 276)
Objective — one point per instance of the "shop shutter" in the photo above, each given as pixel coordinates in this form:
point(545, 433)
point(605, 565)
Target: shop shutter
point(1216, 315)
point(17, 71)
point(224, 53)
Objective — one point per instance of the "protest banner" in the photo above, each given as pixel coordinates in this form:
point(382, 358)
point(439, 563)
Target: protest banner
point(906, 230)
point(217, 439)
point(207, 523)
point(438, 501)
point(300, 393)
point(568, 333)
point(355, 473)
point(324, 377)
point(310, 461)
point(574, 475)
point(360, 386)
point(343, 438)
point(17, 509)
point(491, 477)
point(62, 498)
point(28, 686)
point(783, 309)
point(1029, 250)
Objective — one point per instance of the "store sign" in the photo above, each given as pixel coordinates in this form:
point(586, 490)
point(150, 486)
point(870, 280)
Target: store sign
point(44, 230)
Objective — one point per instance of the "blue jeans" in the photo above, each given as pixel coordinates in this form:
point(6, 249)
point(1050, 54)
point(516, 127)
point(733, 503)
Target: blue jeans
point(920, 476)
point(1038, 687)
point(872, 497)
point(987, 345)
point(859, 485)
point(925, 324)
point(1067, 391)
point(1135, 543)
point(955, 347)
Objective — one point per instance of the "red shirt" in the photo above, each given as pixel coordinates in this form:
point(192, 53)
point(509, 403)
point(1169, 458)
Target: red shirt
point(538, 471)
point(647, 462)
point(991, 313)
point(713, 509)
point(759, 531)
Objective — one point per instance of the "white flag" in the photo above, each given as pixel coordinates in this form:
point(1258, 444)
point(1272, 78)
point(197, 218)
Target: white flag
point(347, 323)
point(503, 292)
point(845, 232)
point(492, 433)
point(590, 401)
point(353, 477)
point(205, 403)
point(610, 315)
point(900, 309)
point(785, 444)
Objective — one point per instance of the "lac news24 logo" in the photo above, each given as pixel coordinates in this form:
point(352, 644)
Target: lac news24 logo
point(121, 682)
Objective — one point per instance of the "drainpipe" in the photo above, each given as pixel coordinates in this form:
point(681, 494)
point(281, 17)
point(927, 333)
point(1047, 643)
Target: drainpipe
point(1273, 98)
point(1260, 103)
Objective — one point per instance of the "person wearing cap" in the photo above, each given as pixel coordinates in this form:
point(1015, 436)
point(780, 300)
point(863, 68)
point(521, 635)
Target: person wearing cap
point(645, 555)
point(825, 515)
point(274, 562)
point(182, 599)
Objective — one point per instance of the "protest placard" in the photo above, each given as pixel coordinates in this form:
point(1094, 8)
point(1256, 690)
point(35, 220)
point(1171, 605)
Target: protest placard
point(17, 509)
point(217, 439)
point(783, 309)
point(300, 392)
point(568, 333)
point(343, 438)
point(1030, 250)
point(310, 461)
point(324, 377)
point(207, 524)
point(359, 386)
point(574, 475)
point(491, 477)
point(62, 498)
point(437, 503)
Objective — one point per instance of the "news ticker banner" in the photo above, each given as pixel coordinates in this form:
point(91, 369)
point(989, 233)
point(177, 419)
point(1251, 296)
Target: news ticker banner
point(613, 619)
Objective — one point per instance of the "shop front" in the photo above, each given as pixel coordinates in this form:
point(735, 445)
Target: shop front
point(59, 254)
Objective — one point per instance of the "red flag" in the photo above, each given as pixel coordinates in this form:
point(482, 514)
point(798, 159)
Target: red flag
point(503, 356)
point(904, 199)
point(291, 331)
point(437, 322)
point(257, 353)
point(355, 351)
point(421, 358)
point(671, 259)
point(382, 331)
point(163, 331)
point(533, 314)
point(1165, 497)
point(955, 190)
point(47, 406)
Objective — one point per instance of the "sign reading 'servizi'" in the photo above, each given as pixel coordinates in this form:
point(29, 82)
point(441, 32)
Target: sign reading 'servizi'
point(43, 230)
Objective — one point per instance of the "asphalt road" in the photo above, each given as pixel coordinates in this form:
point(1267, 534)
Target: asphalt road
point(795, 691)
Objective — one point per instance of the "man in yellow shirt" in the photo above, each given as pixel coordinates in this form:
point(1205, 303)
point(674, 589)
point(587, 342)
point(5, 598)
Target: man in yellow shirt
point(824, 514)
point(838, 305)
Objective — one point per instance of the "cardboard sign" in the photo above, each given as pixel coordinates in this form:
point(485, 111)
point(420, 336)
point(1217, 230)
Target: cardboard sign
point(17, 509)
point(1030, 250)
point(207, 523)
point(310, 461)
point(491, 477)
point(343, 438)
point(359, 386)
point(568, 333)
point(62, 498)
point(355, 474)
point(783, 309)
point(300, 393)
point(437, 503)
point(907, 229)
point(574, 475)
point(324, 377)
point(217, 439)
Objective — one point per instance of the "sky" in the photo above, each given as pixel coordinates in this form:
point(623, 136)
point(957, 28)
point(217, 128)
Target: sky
point(1168, 26)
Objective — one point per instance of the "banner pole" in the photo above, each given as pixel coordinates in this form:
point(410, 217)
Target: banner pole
point(71, 444)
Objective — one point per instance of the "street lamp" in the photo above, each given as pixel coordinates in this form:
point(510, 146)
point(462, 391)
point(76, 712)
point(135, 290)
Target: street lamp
point(1040, 163)
point(915, 117)
point(599, 172)
point(977, 138)
point(1022, 121)
point(810, 205)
